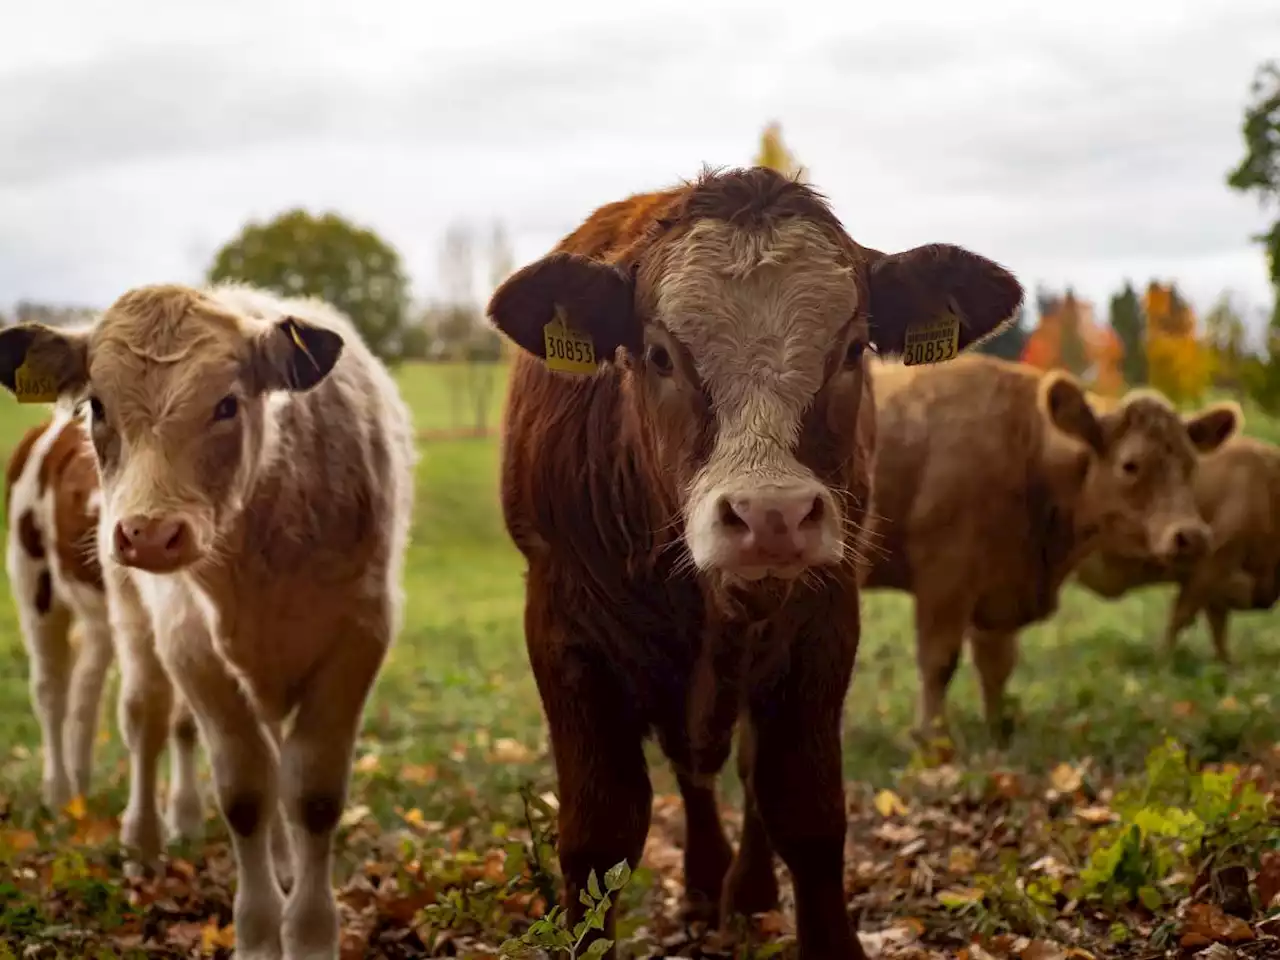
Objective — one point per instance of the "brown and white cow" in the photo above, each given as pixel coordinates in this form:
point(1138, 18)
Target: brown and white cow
point(689, 505)
point(256, 469)
point(993, 480)
point(1237, 490)
point(53, 501)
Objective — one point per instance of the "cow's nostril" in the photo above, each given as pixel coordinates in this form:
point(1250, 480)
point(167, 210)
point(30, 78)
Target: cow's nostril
point(172, 543)
point(815, 514)
point(729, 515)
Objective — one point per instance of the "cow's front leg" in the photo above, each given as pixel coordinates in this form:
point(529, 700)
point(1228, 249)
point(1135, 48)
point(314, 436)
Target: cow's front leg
point(940, 629)
point(751, 886)
point(799, 788)
point(1217, 616)
point(707, 853)
point(797, 776)
point(146, 695)
point(45, 631)
point(186, 810)
point(244, 764)
point(995, 654)
point(1182, 613)
point(87, 680)
point(315, 771)
point(605, 795)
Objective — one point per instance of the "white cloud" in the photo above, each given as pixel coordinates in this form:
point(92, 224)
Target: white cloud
point(1081, 143)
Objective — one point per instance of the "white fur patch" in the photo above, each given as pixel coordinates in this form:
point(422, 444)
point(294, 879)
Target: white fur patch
point(759, 311)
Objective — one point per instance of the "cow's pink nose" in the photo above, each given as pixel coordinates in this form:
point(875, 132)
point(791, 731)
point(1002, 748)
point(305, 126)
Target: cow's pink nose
point(776, 526)
point(158, 545)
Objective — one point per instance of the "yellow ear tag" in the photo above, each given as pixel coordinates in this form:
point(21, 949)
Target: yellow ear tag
point(293, 332)
point(567, 350)
point(933, 342)
point(31, 386)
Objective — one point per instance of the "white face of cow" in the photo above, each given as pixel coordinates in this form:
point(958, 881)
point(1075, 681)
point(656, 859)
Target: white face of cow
point(175, 390)
point(742, 309)
point(760, 313)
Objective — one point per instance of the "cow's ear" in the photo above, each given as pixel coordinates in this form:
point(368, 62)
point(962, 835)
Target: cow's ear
point(570, 311)
point(38, 364)
point(918, 287)
point(1213, 426)
point(293, 354)
point(1063, 403)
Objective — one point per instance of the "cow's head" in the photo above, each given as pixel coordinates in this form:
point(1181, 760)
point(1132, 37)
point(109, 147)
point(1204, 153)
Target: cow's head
point(740, 323)
point(1137, 467)
point(175, 387)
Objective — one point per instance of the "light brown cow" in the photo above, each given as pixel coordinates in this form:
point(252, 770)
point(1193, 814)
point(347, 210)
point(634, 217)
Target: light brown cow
point(256, 465)
point(994, 480)
point(1237, 490)
point(53, 501)
point(688, 495)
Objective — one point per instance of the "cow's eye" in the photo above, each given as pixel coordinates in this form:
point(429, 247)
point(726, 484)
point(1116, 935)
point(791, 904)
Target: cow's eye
point(659, 358)
point(226, 408)
point(95, 410)
point(1130, 467)
point(853, 354)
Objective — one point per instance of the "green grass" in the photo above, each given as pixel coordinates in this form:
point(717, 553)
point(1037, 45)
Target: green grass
point(1091, 683)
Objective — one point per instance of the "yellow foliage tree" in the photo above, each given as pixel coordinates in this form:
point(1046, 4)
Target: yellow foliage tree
point(774, 154)
point(1178, 364)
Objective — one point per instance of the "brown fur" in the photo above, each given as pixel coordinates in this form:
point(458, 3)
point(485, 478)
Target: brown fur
point(632, 631)
point(1237, 490)
point(68, 469)
point(993, 481)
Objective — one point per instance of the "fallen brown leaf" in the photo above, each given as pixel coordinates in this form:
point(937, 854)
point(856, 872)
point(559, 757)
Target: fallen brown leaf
point(1206, 923)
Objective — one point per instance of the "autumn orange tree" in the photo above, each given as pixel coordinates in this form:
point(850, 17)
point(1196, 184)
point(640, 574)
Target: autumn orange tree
point(1069, 338)
point(1177, 362)
point(773, 153)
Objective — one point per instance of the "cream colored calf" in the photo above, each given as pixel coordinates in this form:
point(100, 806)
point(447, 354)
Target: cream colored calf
point(256, 465)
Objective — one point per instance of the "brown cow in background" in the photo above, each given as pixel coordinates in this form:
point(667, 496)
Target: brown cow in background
point(689, 496)
point(993, 480)
point(1237, 490)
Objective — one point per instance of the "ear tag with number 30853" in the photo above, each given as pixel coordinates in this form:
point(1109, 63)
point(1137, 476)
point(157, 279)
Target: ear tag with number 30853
point(34, 386)
point(567, 350)
point(933, 342)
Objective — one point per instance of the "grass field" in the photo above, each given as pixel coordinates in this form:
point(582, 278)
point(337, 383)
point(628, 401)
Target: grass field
point(454, 733)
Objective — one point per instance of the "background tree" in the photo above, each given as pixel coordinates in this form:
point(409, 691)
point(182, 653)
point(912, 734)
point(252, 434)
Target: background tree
point(1072, 353)
point(773, 153)
point(1129, 324)
point(466, 339)
point(1009, 343)
point(298, 254)
point(1068, 338)
point(502, 262)
point(1177, 363)
point(1259, 174)
point(1224, 338)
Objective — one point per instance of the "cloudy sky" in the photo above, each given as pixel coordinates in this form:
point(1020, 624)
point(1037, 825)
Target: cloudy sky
point(1078, 143)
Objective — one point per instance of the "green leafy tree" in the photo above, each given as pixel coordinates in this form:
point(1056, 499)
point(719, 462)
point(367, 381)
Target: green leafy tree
point(1224, 335)
point(1009, 343)
point(1130, 325)
point(298, 254)
point(1259, 174)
